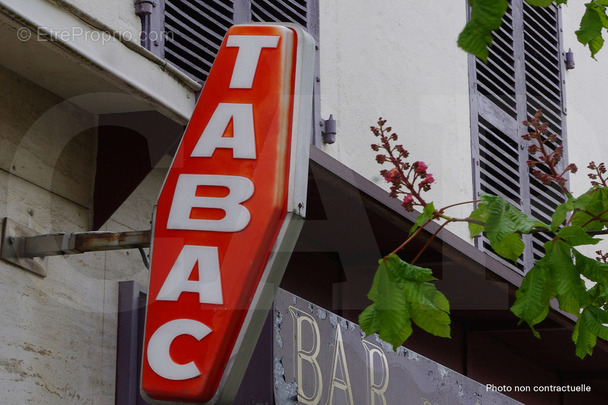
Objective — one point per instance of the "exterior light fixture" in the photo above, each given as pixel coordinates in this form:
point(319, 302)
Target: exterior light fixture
point(569, 59)
point(329, 135)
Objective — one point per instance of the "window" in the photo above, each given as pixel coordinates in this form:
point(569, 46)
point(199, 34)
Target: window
point(524, 73)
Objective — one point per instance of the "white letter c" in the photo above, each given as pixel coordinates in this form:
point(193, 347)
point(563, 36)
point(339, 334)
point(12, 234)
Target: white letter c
point(158, 348)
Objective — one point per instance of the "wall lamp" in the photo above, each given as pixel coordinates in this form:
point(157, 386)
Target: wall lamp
point(569, 59)
point(329, 135)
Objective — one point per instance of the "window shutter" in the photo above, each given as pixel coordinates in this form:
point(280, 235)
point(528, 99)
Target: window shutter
point(544, 78)
point(496, 80)
point(523, 74)
point(193, 30)
point(280, 11)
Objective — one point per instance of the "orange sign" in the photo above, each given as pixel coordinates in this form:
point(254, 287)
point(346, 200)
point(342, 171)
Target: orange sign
point(227, 213)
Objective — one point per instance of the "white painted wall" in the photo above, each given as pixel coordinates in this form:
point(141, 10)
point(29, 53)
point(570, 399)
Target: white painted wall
point(586, 99)
point(374, 62)
point(399, 60)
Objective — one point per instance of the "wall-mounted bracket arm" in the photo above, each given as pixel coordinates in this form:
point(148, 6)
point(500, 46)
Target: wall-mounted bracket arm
point(26, 248)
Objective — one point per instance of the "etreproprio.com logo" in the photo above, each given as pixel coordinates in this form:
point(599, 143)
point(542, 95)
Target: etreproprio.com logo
point(80, 34)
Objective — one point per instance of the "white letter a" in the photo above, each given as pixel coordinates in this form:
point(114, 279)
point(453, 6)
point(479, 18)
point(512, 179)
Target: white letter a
point(242, 141)
point(209, 286)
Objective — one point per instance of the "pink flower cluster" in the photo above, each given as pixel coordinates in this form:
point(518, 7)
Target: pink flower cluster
point(600, 170)
point(546, 155)
point(406, 179)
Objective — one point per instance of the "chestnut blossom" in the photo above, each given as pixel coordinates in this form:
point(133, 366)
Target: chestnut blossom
point(407, 179)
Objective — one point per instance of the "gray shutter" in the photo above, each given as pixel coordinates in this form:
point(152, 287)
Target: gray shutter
point(522, 75)
point(496, 80)
point(194, 31)
point(280, 11)
point(544, 78)
point(306, 14)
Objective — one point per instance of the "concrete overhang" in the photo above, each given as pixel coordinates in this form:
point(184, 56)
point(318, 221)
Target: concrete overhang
point(82, 60)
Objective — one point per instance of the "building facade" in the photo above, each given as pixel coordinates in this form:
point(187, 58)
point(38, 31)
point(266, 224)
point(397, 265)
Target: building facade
point(96, 95)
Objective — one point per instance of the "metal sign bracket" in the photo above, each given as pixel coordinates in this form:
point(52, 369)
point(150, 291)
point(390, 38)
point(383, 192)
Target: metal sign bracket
point(28, 249)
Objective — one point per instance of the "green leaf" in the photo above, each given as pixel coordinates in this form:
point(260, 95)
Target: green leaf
point(590, 268)
point(565, 278)
point(401, 293)
point(431, 320)
point(389, 314)
point(480, 214)
point(486, 16)
point(523, 223)
point(426, 294)
point(503, 226)
point(510, 247)
point(427, 214)
point(430, 309)
point(533, 297)
point(498, 224)
point(588, 328)
point(540, 3)
point(544, 3)
point(503, 218)
point(369, 320)
point(595, 45)
point(403, 272)
point(561, 211)
point(590, 31)
point(576, 236)
point(582, 201)
point(600, 7)
point(593, 205)
point(598, 294)
point(559, 216)
point(590, 27)
point(475, 40)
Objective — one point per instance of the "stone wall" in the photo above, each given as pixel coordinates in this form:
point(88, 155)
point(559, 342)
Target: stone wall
point(59, 332)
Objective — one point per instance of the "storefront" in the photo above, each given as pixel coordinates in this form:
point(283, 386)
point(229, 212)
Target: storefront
point(350, 224)
point(88, 130)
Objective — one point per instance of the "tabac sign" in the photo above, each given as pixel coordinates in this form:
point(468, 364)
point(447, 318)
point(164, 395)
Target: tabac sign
point(229, 210)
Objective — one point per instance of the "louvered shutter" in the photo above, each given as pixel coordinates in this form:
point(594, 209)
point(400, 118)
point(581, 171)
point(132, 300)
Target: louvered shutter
point(194, 29)
point(523, 74)
point(306, 14)
point(280, 11)
point(194, 32)
point(544, 79)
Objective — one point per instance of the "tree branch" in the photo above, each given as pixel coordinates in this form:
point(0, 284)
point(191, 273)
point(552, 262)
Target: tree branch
point(428, 242)
point(412, 236)
point(457, 204)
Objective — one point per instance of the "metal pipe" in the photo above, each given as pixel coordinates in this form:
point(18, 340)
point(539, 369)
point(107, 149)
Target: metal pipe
point(143, 9)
